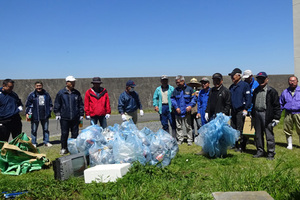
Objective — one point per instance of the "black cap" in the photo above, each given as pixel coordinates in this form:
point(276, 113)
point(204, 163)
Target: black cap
point(236, 70)
point(96, 80)
point(218, 76)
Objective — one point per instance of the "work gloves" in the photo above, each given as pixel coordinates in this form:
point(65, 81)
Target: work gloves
point(20, 108)
point(107, 116)
point(124, 118)
point(58, 117)
point(88, 117)
point(206, 117)
point(275, 122)
point(141, 113)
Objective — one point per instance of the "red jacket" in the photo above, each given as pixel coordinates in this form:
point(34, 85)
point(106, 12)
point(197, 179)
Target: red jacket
point(96, 106)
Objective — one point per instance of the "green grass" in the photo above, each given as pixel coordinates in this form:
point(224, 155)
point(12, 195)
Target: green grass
point(189, 176)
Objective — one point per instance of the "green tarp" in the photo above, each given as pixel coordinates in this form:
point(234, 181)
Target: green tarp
point(20, 156)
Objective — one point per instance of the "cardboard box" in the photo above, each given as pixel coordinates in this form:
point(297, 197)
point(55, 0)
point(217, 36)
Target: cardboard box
point(248, 127)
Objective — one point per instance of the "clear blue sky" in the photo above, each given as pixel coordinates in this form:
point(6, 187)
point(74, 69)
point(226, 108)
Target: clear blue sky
point(140, 38)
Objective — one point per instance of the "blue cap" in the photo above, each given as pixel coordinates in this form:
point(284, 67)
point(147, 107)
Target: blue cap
point(130, 83)
point(262, 74)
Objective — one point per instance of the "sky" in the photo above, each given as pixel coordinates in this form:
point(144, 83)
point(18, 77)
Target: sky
point(45, 39)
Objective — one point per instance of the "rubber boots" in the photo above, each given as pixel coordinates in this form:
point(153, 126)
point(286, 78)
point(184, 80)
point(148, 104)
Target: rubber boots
point(289, 142)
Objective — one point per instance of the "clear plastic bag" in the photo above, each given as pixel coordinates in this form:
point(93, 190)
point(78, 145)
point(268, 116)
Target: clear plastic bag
point(72, 148)
point(88, 136)
point(100, 155)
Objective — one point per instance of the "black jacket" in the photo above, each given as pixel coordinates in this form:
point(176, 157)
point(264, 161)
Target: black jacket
point(222, 102)
point(68, 106)
point(272, 102)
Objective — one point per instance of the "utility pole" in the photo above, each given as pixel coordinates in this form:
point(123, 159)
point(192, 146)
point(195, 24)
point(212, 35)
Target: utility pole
point(296, 26)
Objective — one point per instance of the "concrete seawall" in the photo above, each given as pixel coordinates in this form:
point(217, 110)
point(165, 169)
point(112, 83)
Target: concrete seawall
point(115, 86)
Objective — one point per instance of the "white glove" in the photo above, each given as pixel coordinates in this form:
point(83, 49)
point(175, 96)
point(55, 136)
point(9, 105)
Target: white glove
point(206, 117)
point(245, 112)
point(88, 117)
point(80, 118)
point(141, 113)
point(124, 118)
point(107, 116)
point(58, 117)
point(20, 108)
point(275, 122)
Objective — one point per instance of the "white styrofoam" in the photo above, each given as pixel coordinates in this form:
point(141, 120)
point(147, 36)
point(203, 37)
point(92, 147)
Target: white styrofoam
point(105, 173)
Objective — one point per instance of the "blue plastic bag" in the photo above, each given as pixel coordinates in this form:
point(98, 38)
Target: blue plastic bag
point(216, 136)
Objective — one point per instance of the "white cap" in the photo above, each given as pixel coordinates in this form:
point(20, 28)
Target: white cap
point(247, 73)
point(70, 78)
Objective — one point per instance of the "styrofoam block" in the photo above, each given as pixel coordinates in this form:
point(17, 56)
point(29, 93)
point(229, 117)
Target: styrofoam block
point(105, 173)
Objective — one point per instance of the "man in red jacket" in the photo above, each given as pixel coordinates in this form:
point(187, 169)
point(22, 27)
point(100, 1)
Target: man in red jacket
point(96, 103)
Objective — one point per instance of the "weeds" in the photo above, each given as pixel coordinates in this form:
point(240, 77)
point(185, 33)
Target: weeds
point(189, 176)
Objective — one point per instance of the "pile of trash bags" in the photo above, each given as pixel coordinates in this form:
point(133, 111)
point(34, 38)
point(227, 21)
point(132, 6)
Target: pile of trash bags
point(216, 136)
point(124, 144)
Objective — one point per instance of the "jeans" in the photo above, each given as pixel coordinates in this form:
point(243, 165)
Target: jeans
point(101, 119)
point(65, 126)
point(165, 117)
point(34, 128)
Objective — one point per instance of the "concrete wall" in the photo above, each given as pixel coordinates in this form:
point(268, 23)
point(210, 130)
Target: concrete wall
point(115, 86)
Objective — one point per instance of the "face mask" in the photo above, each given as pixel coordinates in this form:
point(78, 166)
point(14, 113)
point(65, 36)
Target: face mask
point(131, 90)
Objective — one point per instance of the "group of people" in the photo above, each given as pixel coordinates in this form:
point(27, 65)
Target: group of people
point(176, 106)
point(68, 107)
point(248, 97)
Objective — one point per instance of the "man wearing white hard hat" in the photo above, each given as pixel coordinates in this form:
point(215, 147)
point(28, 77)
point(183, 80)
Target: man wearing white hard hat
point(68, 108)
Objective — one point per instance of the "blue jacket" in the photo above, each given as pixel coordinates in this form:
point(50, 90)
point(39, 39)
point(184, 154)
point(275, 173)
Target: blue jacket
point(254, 84)
point(68, 106)
point(202, 103)
point(240, 96)
point(157, 98)
point(32, 105)
point(129, 102)
point(182, 98)
point(9, 103)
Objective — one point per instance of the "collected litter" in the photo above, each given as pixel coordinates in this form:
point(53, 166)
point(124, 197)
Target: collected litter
point(124, 144)
point(20, 156)
point(216, 136)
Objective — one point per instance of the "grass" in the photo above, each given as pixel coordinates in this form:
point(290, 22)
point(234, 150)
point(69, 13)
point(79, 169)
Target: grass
point(189, 176)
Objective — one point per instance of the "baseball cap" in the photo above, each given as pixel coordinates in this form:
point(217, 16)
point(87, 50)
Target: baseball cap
point(262, 74)
point(247, 73)
point(96, 80)
point(130, 83)
point(164, 77)
point(236, 70)
point(70, 78)
point(204, 79)
point(218, 76)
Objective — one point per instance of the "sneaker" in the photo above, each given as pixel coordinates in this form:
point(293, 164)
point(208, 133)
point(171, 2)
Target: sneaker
point(63, 151)
point(190, 144)
point(48, 144)
point(179, 143)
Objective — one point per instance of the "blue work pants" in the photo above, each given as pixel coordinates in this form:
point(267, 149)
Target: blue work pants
point(166, 116)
